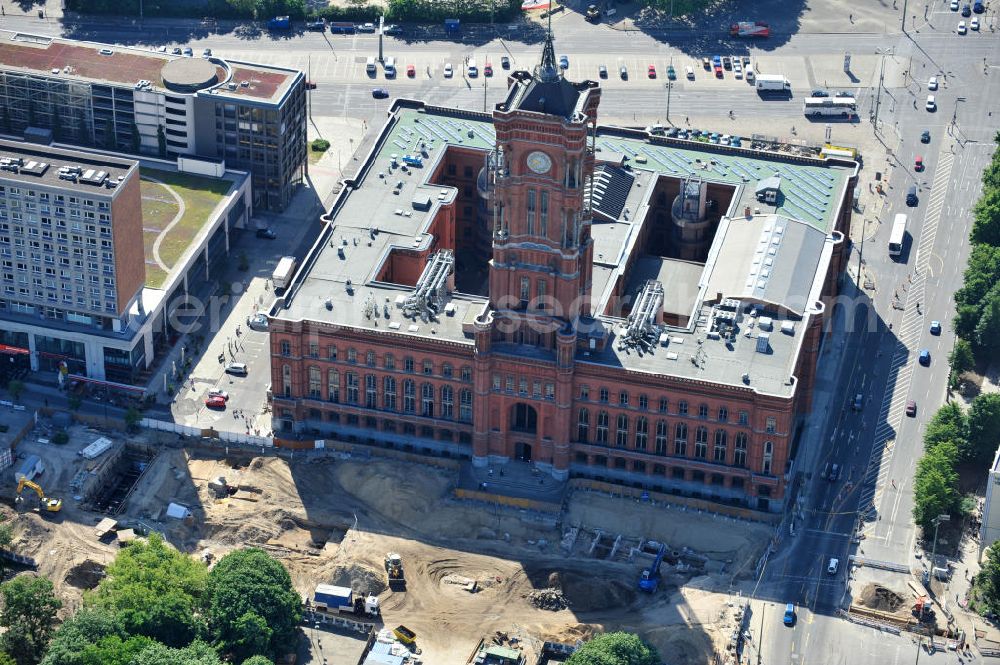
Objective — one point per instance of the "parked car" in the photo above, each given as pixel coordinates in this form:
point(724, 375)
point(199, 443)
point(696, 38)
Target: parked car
point(319, 26)
point(689, 70)
point(218, 392)
point(726, 62)
point(380, 93)
point(954, 5)
point(215, 402)
point(366, 27)
point(623, 72)
point(651, 71)
point(176, 50)
point(820, 93)
point(505, 62)
point(844, 93)
point(911, 408)
point(789, 618)
point(448, 70)
point(267, 233)
point(974, 23)
point(671, 72)
point(925, 357)
point(931, 104)
point(207, 53)
point(188, 51)
point(966, 10)
point(978, 6)
point(932, 83)
point(935, 327)
point(602, 71)
point(237, 369)
point(392, 30)
point(706, 63)
point(411, 71)
point(488, 69)
point(961, 27)
point(718, 71)
point(258, 322)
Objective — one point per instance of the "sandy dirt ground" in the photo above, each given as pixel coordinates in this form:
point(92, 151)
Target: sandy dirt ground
point(332, 520)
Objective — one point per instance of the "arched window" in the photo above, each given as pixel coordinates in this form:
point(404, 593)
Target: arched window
point(701, 442)
point(582, 426)
point(427, 400)
point(389, 393)
point(409, 396)
point(719, 452)
point(447, 402)
point(621, 435)
point(680, 439)
point(641, 432)
point(740, 450)
point(602, 427)
point(661, 437)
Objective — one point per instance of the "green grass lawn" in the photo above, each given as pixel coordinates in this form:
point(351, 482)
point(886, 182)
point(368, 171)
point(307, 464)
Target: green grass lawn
point(200, 196)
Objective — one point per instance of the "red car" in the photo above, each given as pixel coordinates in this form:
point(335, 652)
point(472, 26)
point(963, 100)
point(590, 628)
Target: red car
point(911, 408)
point(651, 71)
point(215, 402)
point(411, 71)
point(918, 163)
point(718, 71)
point(488, 69)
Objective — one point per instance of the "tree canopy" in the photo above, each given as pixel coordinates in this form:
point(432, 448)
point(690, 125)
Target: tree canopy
point(935, 486)
point(88, 626)
point(197, 653)
point(29, 612)
point(986, 589)
point(252, 607)
point(154, 590)
point(984, 428)
point(615, 649)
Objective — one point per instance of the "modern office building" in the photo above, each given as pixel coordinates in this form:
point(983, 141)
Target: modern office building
point(74, 295)
point(527, 286)
point(151, 103)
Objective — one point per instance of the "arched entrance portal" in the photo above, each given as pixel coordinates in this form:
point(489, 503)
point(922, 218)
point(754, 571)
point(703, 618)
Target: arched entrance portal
point(523, 418)
point(522, 451)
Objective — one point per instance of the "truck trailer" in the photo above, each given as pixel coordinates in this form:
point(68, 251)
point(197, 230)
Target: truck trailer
point(336, 599)
point(282, 275)
point(750, 29)
point(773, 83)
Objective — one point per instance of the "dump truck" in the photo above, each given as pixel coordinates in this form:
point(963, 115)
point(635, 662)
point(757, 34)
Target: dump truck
point(394, 571)
point(282, 275)
point(336, 599)
point(280, 23)
point(750, 29)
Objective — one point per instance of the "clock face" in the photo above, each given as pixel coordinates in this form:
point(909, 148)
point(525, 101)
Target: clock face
point(539, 162)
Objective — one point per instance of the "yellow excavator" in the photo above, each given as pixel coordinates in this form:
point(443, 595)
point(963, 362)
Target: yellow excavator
point(49, 505)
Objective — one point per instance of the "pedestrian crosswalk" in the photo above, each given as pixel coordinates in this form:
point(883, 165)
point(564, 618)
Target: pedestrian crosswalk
point(907, 335)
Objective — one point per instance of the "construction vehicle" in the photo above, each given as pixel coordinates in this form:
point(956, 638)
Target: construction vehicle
point(50, 505)
point(394, 571)
point(649, 581)
point(750, 29)
point(337, 599)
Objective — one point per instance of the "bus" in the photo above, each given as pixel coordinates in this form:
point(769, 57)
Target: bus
point(898, 235)
point(845, 107)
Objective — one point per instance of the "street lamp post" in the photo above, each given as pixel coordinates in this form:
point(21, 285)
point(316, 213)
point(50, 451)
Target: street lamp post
point(944, 517)
point(881, 78)
point(670, 86)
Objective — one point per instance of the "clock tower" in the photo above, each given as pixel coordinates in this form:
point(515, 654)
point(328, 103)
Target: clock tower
point(543, 161)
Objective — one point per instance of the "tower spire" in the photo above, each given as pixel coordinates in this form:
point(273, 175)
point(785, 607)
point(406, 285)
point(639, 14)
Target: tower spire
point(547, 70)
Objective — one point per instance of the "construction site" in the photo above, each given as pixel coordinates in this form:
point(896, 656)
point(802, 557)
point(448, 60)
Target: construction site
point(454, 571)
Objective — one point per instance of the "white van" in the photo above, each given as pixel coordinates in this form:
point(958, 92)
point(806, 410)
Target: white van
point(833, 566)
point(370, 67)
point(390, 67)
point(473, 70)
